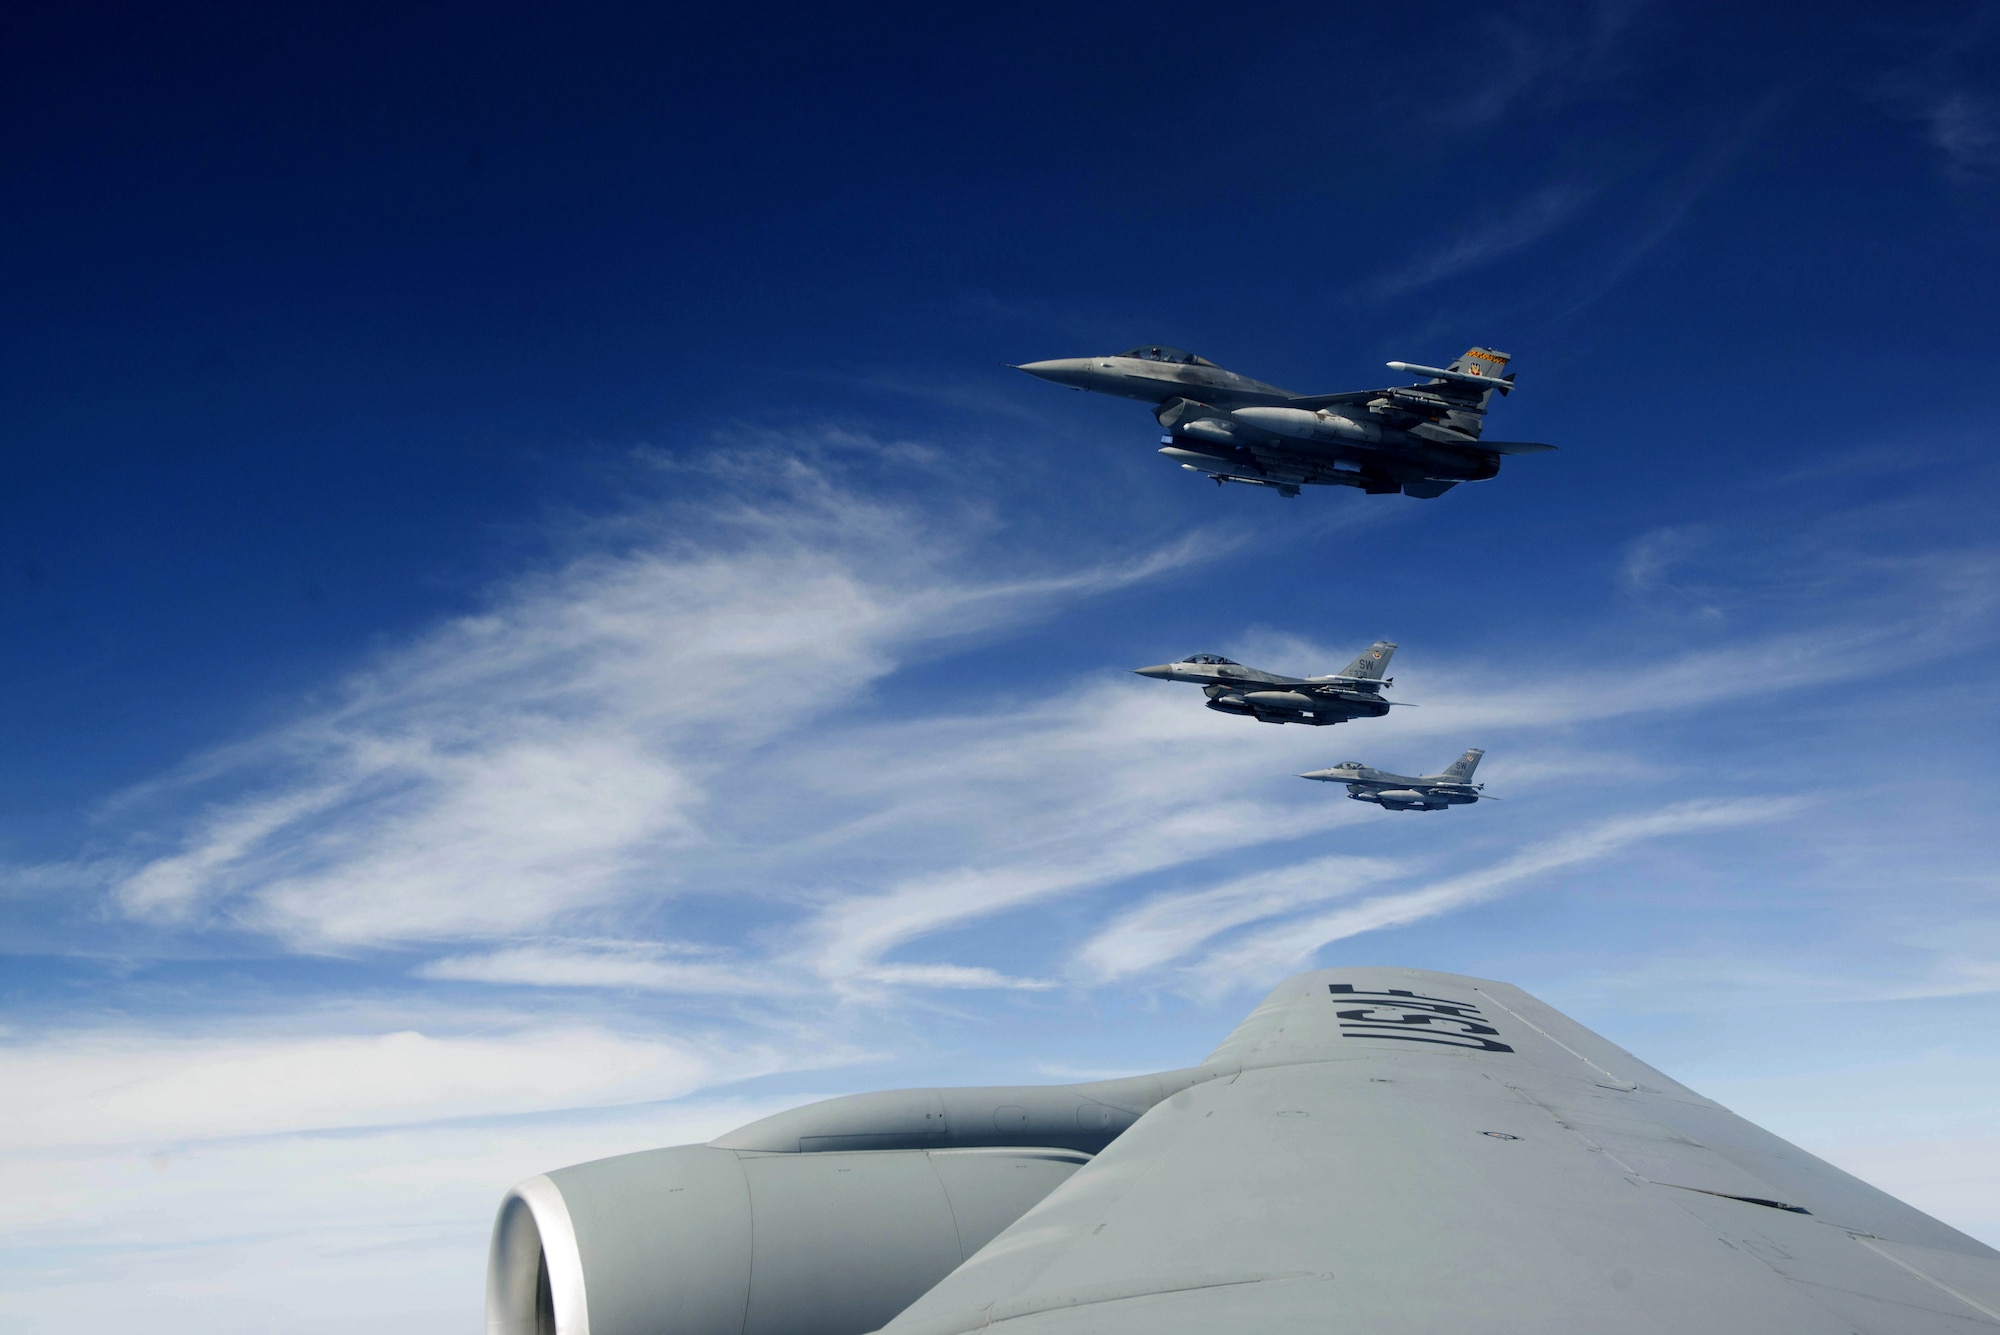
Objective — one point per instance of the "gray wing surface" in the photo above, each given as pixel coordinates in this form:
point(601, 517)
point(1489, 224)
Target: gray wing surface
point(1392, 1151)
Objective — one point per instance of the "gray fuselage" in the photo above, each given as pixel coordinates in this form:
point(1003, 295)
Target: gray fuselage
point(1270, 697)
point(1420, 440)
point(1398, 792)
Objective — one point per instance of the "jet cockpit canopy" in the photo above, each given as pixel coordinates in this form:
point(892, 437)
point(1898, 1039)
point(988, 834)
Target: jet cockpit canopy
point(1211, 659)
point(1157, 352)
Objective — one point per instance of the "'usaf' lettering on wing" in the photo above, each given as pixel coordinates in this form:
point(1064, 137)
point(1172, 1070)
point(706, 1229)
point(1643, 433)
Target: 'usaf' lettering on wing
point(1400, 1014)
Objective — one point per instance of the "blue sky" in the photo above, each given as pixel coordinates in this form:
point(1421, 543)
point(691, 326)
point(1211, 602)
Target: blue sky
point(540, 624)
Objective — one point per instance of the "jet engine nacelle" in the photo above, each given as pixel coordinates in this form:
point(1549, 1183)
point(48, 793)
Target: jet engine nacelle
point(824, 1220)
point(698, 1240)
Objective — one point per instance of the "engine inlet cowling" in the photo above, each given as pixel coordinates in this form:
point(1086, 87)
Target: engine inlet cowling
point(697, 1240)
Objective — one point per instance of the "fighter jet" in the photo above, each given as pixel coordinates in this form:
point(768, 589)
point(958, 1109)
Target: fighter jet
point(1267, 697)
point(1400, 792)
point(1421, 440)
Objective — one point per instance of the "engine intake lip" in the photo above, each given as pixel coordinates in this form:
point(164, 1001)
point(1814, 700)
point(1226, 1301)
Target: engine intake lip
point(534, 1273)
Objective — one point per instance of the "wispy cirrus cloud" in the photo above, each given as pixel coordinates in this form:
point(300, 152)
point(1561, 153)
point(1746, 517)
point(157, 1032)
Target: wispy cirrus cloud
point(1542, 56)
point(1965, 127)
point(555, 752)
point(652, 966)
point(1943, 97)
point(1526, 223)
point(1268, 954)
point(1165, 928)
point(130, 1085)
point(688, 714)
point(1109, 783)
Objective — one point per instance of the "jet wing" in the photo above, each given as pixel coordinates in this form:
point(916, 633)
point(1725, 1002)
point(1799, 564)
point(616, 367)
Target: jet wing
point(1401, 1153)
point(1512, 446)
point(1314, 402)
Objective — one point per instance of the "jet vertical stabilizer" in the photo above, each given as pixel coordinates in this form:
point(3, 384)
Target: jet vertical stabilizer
point(1460, 770)
point(1373, 663)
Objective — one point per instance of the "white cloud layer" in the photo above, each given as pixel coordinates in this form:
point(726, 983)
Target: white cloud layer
point(134, 1086)
point(555, 753)
point(686, 764)
point(381, 1230)
point(1270, 954)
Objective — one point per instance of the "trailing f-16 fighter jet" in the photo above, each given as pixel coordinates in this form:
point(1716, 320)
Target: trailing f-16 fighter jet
point(1270, 698)
point(1400, 792)
point(1421, 439)
point(1372, 1152)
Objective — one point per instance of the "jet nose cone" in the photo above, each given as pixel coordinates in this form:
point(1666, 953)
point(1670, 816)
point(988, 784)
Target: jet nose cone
point(1326, 775)
point(1062, 370)
point(1163, 671)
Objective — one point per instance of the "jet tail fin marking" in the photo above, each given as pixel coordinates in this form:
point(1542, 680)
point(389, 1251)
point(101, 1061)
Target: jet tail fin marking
point(1372, 663)
point(1483, 362)
point(1460, 770)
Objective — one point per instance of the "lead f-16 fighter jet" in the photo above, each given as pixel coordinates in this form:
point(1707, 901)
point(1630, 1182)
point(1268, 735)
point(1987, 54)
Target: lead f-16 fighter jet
point(1421, 439)
point(1400, 792)
point(1267, 697)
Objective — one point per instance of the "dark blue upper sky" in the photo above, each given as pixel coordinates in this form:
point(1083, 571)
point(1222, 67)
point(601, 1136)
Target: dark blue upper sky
point(520, 523)
point(309, 309)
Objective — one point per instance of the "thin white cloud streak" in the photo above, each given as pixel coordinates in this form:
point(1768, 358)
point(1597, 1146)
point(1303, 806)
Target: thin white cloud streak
point(647, 966)
point(644, 965)
point(1286, 948)
point(952, 976)
point(1966, 130)
point(1534, 218)
point(1542, 60)
point(1672, 202)
point(115, 1087)
point(1108, 782)
point(1169, 926)
point(555, 753)
point(1962, 125)
point(1461, 702)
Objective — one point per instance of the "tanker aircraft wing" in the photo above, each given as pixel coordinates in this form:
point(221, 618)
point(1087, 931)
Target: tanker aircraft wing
point(1371, 1152)
point(1398, 1152)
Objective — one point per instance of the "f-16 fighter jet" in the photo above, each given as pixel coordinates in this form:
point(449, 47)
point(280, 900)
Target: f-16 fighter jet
point(1400, 792)
point(1270, 698)
point(1421, 439)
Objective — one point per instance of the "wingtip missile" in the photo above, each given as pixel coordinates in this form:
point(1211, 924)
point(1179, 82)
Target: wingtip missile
point(1505, 384)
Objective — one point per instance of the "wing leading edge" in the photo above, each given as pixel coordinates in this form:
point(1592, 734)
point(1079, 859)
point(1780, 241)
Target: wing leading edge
point(1394, 1152)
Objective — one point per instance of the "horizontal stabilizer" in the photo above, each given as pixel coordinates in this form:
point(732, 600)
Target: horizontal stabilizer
point(1514, 447)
